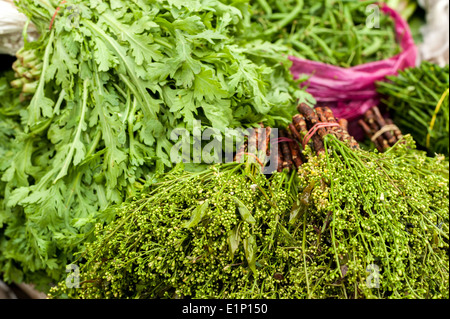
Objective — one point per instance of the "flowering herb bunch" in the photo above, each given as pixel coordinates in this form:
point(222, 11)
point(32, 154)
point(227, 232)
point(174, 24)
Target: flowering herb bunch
point(376, 224)
point(349, 223)
point(212, 234)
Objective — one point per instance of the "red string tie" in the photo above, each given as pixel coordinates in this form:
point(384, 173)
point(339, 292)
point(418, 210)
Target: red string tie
point(314, 129)
point(256, 157)
point(54, 14)
point(281, 140)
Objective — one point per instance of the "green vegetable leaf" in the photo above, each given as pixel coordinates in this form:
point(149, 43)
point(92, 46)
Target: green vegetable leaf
point(207, 87)
point(243, 210)
point(197, 215)
point(250, 252)
point(233, 240)
point(103, 56)
point(141, 45)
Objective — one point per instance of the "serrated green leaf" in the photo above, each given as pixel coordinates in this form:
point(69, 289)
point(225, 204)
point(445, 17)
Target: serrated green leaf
point(191, 25)
point(206, 87)
point(76, 150)
point(219, 114)
point(140, 46)
point(104, 58)
point(17, 196)
point(40, 104)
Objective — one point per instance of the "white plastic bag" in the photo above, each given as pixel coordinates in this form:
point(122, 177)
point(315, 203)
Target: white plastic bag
point(435, 46)
point(12, 23)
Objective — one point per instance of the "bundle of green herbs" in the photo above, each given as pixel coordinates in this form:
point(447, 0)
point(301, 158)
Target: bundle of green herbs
point(379, 229)
point(418, 99)
point(96, 98)
point(333, 32)
point(349, 223)
point(191, 234)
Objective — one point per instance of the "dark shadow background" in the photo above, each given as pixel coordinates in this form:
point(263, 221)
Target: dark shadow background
point(6, 62)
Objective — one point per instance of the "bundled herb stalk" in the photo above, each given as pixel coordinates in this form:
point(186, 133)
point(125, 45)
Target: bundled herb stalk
point(109, 82)
point(418, 99)
point(212, 234)
point(309, 127)
point(333, 32)
point(381, 131)
point(375, 225)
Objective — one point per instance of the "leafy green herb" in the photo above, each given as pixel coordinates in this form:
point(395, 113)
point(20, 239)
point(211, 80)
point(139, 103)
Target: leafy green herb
point(112, 80)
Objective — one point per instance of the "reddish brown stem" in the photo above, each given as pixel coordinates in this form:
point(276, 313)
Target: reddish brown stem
point(342, 132)
point(321, 118)
point(369, 134)
point(326, 115)
point(344, 124)
point(280, 162)
point(329, 115)
point(262, 141)
point(382, 123)
point(311, 120)
point(370, 120)
point(268, 132)
point(398, 134)
point(311, 117)
point(240, 152)
point(287, 156)
point(299, 123)
point(295, 150)
point(309, 114)
point(252, 140)
point(295, 134)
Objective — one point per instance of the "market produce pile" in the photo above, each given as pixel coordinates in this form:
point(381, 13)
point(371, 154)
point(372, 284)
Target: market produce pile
point(87, 120)
point(230, 232)
point(109, 93)
point(333, 32)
